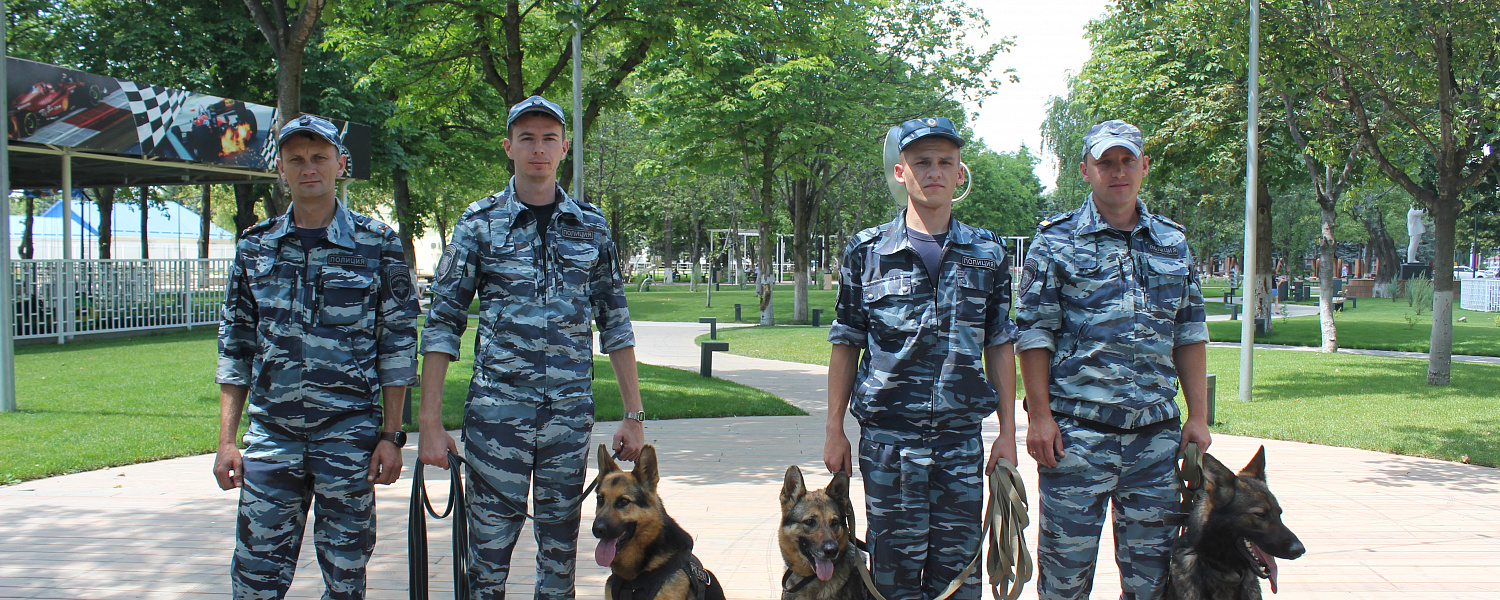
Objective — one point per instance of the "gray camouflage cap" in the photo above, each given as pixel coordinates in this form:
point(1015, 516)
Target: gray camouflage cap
point(1112, 133)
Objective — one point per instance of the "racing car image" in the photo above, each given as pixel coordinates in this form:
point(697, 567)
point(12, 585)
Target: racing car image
point(46, 102)
point(221, 130)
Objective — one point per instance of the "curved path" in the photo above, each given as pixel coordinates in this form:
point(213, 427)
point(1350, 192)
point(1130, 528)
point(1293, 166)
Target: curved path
point(1377, 526)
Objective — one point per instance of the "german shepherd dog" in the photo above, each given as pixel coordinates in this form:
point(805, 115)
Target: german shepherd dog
point(649, 556)
point(1232, 538)
point(816, 544)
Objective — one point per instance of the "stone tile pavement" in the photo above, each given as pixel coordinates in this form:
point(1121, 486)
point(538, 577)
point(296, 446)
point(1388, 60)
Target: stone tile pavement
point(1377, 526)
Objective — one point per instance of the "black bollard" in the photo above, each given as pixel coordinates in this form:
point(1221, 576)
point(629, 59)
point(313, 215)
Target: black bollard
point(736, 313)
point(713, 326)
point(817, 317)
point(706, 360)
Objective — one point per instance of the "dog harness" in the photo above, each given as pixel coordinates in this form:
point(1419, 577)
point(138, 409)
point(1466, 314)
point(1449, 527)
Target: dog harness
point(702, 584)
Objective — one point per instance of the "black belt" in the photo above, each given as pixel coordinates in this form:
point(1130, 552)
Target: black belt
point(1148, 429)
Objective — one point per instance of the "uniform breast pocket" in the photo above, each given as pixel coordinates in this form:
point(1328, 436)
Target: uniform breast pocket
point(345, 296)
point(511, 271)
point(974, 287)
point(575, 263)
point(892, 309)
point(1169, 280)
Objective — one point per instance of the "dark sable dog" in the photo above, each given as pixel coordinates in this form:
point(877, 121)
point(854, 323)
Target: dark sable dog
point(649, 556)
point(816, 543)
point(1232, 538)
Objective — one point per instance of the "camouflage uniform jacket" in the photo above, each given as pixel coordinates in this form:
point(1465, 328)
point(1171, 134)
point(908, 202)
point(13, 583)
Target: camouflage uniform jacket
point(921, 376)
point(1111, 307)
point(537, 295)
point(315, 333)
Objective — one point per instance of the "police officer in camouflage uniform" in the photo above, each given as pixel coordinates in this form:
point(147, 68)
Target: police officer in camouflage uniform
point(1111, 322)
point(544, 267)
point(319, 338)
point(923, 313)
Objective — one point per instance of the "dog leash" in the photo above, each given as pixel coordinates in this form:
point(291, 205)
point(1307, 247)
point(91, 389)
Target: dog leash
point(1005, 522)
point(1190, 483)
point(458, 507)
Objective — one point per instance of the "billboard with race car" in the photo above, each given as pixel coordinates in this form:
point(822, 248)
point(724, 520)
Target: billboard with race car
point(58, 106)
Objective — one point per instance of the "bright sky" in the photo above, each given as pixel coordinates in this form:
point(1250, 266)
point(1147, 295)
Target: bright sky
point(1050, 45)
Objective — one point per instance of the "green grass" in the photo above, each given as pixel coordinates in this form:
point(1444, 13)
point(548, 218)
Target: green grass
point(1378, 324)
point(89, 405)
point(1368, 402)
point(676, 303)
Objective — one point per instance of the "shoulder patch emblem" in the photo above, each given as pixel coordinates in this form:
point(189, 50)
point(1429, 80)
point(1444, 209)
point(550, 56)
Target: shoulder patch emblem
point(445, 264)
point(982, 263)
point(400, 278)
point(348, 260)
point(1028, 274)
point(576, 233)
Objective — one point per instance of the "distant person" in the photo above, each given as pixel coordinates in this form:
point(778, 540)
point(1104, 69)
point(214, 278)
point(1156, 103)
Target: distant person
point(1111, 321)
point(545, 268)
point(319, 338)
point(922, 355)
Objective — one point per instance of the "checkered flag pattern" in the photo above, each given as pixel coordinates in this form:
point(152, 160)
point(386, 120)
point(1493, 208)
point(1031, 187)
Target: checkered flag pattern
point(268, 151)
point(154, 108)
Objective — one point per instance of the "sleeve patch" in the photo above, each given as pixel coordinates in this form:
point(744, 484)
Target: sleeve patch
point(445, 264)
point(1028, 274)
point(400, 278)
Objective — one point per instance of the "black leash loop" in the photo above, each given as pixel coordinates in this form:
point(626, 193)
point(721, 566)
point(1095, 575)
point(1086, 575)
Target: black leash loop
point(458, 507)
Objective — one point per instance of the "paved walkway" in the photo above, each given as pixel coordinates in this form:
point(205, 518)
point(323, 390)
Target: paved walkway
point(1377, 526)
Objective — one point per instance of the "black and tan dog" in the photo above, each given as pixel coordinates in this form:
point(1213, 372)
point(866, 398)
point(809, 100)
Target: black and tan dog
point(816, 543)
point(649, 556)
point(1232, 538)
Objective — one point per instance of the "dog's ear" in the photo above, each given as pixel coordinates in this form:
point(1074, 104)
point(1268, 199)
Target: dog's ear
point(1257, 467)
point(838, 489)
point(645, 467)
point(793, 488)
point(606, 464)
point(1218, 481)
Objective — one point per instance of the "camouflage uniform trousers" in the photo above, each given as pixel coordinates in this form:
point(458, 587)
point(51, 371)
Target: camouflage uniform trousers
point(520, 438)
point(924, 509)
point(1134, 471)
point(286, 470)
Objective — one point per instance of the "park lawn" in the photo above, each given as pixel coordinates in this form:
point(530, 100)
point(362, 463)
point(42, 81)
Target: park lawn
point(1369, 402)
point(1378, 324)
point(94, 404)
point(676, 303)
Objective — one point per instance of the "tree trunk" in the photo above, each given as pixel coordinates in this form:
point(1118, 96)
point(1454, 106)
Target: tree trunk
point(106, 202)
point(1326, 275)
point(205, 220)
point(1264, 271)
point(1440, 344)
point(802, 205)
point(1382, 248)
point(145, 219)
point(695, 250)
point(405, 219)
point(27, 250)
point(668, 264)
point(245, 196)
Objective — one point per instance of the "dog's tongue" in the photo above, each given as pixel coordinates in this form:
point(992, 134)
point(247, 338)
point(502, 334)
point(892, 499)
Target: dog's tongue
point(824, 569)
point(604, 553)
point(1270, 562)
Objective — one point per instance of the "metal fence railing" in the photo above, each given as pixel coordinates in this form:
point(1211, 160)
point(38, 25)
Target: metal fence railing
point(66, 298)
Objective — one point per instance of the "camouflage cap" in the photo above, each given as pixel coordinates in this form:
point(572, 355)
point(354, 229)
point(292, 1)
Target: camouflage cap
point(312, 125)
point(1112, 133)
point(536, 104)
point(917, 129)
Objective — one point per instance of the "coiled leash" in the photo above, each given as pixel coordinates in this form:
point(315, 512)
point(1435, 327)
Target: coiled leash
point(458, 506)
point(1189, 481)
point(1005, 521)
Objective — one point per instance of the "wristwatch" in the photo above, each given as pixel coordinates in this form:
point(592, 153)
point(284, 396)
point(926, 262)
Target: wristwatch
point(639, 416)
point(397, 437)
